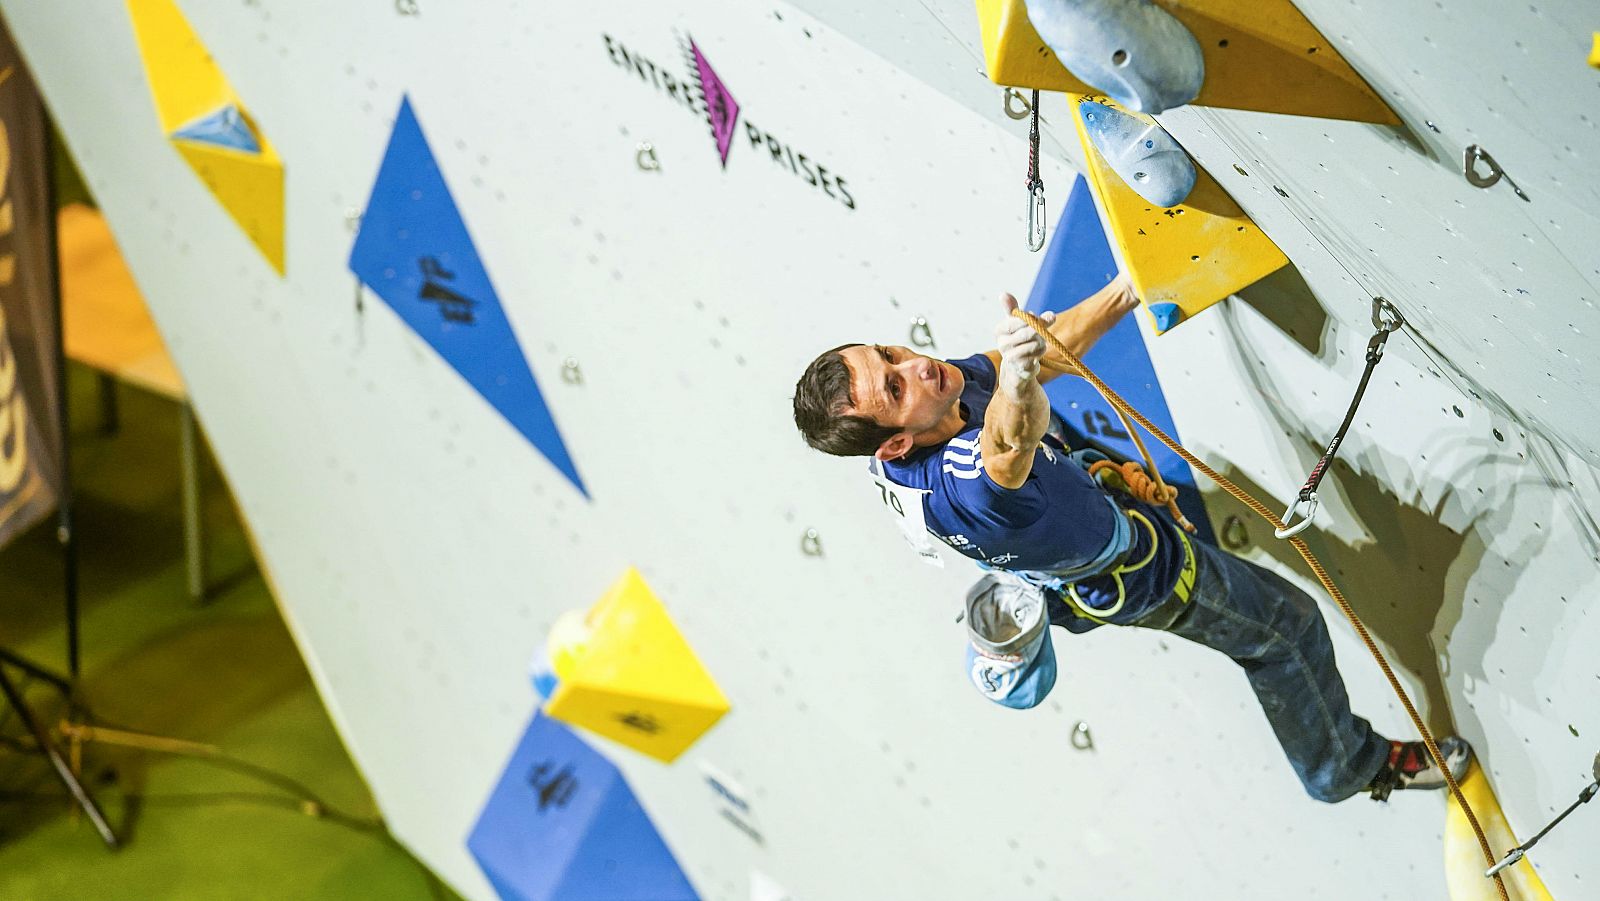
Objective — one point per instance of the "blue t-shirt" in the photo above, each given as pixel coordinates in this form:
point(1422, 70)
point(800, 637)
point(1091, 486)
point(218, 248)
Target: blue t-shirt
point(1058, 520)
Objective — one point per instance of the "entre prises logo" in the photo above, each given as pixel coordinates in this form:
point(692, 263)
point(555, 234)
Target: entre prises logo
point(704, 93)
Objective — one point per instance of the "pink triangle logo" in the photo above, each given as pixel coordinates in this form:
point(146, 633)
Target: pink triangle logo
point(722, 111)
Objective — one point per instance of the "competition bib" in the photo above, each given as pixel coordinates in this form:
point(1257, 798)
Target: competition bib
point(905, 505)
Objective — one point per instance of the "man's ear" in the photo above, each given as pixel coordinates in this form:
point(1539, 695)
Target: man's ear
point(897, 446)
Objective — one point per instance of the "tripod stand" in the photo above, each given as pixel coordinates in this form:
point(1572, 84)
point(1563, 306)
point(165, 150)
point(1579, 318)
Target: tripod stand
point(64, 771)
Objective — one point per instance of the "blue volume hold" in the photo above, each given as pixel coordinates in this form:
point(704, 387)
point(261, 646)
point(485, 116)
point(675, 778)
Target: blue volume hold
point(414, 252)
point(563, 825)
point(227, 127)
point(1078, 263)
point(1151, 161)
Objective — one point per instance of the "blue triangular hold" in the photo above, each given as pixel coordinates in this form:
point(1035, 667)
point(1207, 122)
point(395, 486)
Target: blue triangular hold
point(563, 825)
point(415, 253)
point(1078, 263)
point(227, 127)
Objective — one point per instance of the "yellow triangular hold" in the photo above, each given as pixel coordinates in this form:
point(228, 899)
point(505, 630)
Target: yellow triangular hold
point(1463, 858)
point(249, 186)
point(188, 86)
point(1191, 255)
point(185, 80)
point(1261, 55)
point(637, 681)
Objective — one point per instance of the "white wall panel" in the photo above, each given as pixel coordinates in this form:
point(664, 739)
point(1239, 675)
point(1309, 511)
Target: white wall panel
point(421, 547)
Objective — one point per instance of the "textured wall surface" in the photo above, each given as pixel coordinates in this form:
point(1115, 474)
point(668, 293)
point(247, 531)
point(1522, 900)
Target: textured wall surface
point(421, 546)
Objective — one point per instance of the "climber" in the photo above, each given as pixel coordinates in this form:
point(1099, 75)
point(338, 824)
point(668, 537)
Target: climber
point(1004, 489)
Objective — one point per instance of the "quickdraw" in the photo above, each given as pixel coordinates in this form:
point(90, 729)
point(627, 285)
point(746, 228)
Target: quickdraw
point(1385, 319)
point(1035, 184)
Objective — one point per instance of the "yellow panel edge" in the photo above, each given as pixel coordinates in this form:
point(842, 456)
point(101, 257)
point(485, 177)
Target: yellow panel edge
point(1318, 81)
point(1192, 255)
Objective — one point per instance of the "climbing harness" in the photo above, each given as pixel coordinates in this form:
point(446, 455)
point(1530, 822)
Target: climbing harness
point(1385, 319)
point(1317, 569)
point(1167, 611)
point(1517, 853)
point(1036, 213)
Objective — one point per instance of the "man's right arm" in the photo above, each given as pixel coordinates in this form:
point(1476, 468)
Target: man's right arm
point(1019, 412)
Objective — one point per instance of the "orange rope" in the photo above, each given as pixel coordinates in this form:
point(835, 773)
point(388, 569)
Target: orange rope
point(1141, 485)
point(1124, 408)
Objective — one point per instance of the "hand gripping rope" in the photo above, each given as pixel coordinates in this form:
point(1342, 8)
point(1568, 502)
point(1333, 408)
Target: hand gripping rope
point(1385, 319)
point(1123, 408)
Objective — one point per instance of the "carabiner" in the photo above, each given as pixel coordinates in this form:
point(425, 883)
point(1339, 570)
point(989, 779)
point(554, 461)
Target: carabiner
point(1288, 530)
point(1036, 216)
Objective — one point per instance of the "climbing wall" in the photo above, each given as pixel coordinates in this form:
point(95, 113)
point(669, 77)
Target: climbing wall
point(548, 273)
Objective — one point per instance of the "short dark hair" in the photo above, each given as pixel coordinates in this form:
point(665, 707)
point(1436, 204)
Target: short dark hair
point(820, 398)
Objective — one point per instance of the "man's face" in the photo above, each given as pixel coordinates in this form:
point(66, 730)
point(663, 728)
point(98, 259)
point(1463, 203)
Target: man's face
point(899, 387)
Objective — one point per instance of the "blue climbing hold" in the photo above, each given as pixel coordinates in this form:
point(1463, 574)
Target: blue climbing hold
point(227, 127)
point(1166, 315)
point(1132, 50)
point(563, 825)
point(1151, 161)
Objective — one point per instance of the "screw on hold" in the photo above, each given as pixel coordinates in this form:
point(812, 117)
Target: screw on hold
point(1469, 167)
point(921, 334)
point(570, 372)
point(1082, 738)
point(406, 7)
point(352, 219)
point(1235, 536)
point(1017, 106)
point(811, 543)
point(1385, 316)
point(645, 157)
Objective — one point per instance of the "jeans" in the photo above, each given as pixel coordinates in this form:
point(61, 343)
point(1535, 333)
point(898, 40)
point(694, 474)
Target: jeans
point(1276, 633)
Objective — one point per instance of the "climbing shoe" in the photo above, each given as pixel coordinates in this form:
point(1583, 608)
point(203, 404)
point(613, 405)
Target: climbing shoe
point(1410, 767)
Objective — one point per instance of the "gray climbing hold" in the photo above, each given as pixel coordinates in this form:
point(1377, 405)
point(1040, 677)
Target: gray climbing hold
point(1132, 50)
point(1151, 161)
point(1166, 315)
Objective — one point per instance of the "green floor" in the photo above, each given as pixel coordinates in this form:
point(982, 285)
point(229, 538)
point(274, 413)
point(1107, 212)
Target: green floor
point(226, 674)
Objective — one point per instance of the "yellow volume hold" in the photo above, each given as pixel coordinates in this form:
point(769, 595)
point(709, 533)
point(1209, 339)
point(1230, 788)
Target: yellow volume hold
point(1463, 859)
point(636, 680)
point(1189, 256)
point(1261, 55)
point(190, 91)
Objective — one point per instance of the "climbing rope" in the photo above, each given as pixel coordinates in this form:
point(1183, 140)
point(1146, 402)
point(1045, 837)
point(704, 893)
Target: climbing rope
point(1126, 410)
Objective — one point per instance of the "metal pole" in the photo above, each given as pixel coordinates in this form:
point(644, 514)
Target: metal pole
point(64, 522)
point(194, 551)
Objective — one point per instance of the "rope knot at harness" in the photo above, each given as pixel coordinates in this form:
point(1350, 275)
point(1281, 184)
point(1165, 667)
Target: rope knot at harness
point(1132, 478)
